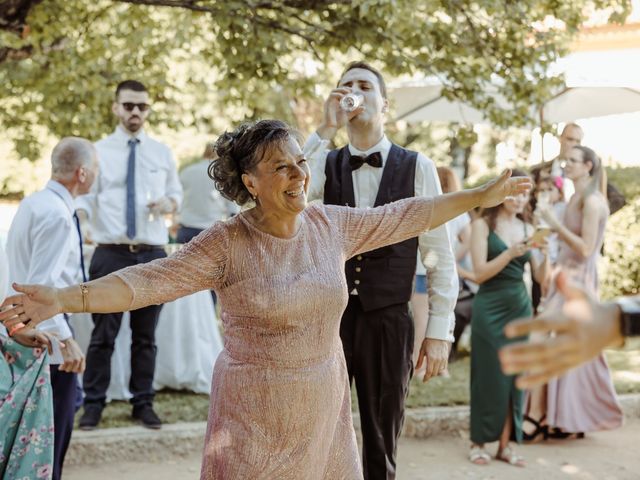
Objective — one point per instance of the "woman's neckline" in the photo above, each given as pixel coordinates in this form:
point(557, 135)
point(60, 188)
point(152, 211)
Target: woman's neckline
point(243, 215)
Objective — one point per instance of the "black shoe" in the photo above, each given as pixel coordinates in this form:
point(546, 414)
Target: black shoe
point(91, 417)
point(147, 417)
point(558, 434)
point(539, 429)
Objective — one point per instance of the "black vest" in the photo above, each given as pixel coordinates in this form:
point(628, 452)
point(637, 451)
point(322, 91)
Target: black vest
point(384, 276)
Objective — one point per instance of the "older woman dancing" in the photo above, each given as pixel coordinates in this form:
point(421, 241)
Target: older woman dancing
point(280, 401)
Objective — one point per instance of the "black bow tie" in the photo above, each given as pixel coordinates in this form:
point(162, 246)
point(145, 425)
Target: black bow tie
point(374, 159)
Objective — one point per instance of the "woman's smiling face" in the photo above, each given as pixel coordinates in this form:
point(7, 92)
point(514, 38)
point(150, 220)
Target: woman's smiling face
point(280, 180)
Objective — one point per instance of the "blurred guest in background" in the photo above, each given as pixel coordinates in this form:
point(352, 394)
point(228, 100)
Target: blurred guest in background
point(460, 237)
point(44, 246)
point(571, 136)
point(500, 251)
point(584, 399)
point(549, 191)
point(138, 185)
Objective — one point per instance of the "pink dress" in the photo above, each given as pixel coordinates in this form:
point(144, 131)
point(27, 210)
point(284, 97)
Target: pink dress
point(584, 399)
point(280, 400)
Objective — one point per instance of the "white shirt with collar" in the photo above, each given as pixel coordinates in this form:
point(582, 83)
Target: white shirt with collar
point(203, 204)
point(43, 246)
point(155, 177)
point(434, 247)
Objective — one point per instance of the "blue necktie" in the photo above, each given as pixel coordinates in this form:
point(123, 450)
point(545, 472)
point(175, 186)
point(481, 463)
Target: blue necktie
point(84, 274)
point(131, 189)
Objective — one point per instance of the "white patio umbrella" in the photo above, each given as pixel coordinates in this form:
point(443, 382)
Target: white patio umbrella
point(578, 102)
point(423, 101)
point(419, 101)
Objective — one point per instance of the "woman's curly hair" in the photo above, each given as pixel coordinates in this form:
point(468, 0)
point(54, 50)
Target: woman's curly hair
point(241, 150)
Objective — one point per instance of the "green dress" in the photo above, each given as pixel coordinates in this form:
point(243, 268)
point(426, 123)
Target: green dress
point(499, 300)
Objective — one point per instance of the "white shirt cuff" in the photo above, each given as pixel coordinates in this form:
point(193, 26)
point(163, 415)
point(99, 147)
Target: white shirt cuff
point(440, 328)
point(58, 326)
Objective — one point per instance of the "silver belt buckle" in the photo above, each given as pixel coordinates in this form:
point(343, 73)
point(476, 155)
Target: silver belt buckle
point(133, 248)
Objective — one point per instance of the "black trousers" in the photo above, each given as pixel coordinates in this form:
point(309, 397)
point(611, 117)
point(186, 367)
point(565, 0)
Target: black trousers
point(64, 387)
point(378, 346)
point(105, 329)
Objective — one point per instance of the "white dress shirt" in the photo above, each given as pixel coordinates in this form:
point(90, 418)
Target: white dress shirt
point(155, 177)
point(43, 246)
point(202, 205)
point(434, 246)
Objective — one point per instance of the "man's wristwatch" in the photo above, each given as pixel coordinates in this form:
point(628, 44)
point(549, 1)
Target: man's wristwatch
point(629, 315)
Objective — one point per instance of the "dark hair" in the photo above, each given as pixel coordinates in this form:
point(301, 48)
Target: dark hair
point(209, 151)
point(366, 66)
point(491, 214)
point(554, 182)
point(449, 180)
point(134, 85)
point(598, 175)
point(241, 150)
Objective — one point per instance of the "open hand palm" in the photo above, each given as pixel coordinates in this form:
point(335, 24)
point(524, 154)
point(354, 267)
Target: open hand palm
point(502, 187)
point(34, 305)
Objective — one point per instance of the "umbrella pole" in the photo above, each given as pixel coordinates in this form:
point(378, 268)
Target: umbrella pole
point(542, 134)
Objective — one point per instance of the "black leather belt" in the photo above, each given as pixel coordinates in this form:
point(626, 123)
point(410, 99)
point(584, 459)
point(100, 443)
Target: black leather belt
point(132, 248)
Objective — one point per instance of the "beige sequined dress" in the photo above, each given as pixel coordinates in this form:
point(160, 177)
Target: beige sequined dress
point(280, 400)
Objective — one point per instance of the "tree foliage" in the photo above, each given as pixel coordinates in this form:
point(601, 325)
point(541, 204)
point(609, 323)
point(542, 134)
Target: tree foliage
point(211, 62)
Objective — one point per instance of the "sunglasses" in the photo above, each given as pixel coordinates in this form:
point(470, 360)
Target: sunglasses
point(128, 106)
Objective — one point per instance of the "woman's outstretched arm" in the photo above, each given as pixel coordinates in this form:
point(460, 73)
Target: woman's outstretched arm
point(367, 229)
point(450, 205)
point(36, 303)
point(199, 265)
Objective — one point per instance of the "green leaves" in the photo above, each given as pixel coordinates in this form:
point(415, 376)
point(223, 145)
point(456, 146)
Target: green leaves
point(210, 64)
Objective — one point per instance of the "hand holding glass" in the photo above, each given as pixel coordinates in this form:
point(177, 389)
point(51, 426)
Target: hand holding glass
point(351, 101)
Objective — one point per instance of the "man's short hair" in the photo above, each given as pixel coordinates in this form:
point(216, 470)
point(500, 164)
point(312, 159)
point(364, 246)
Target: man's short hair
point(134, 85)
point(366, 66)
point(571, 125)
point(69, 154)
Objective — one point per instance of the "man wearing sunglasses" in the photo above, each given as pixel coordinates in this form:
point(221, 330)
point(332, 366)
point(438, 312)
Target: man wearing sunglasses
point(125, 208)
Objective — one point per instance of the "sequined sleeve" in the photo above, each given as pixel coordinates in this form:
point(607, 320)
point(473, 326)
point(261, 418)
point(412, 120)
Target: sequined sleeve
point(200, 265)
point(364, 229)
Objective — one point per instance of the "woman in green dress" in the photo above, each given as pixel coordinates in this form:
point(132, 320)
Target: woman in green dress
point(499, 249)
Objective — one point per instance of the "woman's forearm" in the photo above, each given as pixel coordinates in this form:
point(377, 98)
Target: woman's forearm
point(575, 242)
point(541, 271)
point(491, 268)
point(466, 274)
point(450, 205)
point(105, 295)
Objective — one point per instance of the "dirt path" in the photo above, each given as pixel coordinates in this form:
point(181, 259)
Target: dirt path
point(603, 456)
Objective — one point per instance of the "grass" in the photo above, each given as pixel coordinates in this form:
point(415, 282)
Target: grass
point(179, 406)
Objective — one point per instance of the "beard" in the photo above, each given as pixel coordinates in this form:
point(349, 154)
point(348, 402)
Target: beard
point(134, 126)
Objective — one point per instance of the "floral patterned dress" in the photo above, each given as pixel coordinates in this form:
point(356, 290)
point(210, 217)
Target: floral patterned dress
point(26, 412)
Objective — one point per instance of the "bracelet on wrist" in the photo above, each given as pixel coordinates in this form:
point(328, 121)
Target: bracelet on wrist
point(84, 291)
